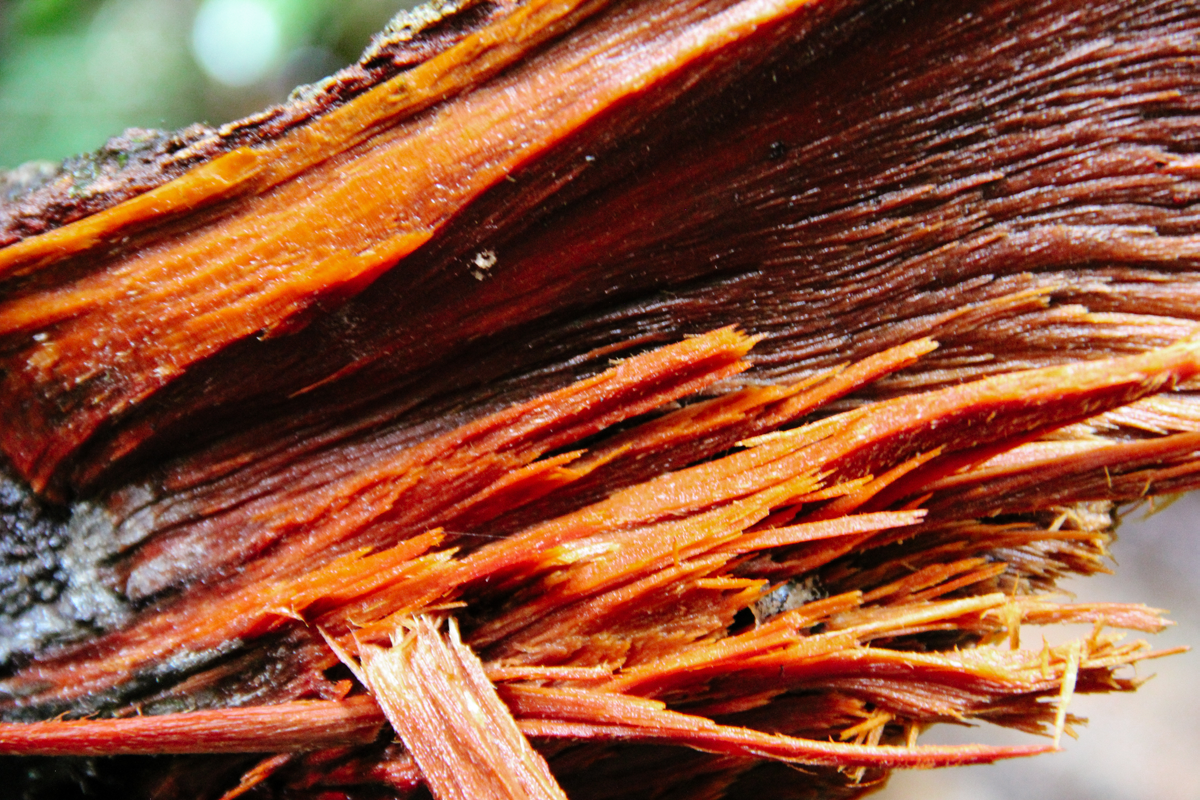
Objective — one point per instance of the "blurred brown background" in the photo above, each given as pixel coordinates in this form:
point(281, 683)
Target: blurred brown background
point(74, 72)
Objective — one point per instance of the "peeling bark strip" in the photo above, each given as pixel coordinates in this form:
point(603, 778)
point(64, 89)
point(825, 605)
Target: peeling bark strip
point(738, 376)
point(442, 705)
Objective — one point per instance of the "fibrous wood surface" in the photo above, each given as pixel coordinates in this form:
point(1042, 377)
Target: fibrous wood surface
point(617, 399)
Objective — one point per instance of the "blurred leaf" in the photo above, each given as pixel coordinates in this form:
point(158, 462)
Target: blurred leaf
point(75, 72)
point(42, 17)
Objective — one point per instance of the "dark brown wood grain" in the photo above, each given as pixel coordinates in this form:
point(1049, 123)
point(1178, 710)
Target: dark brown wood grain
point(725, 369)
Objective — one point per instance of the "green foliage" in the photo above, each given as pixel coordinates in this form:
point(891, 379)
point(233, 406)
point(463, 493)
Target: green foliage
point(44, 17)
point(75, 72)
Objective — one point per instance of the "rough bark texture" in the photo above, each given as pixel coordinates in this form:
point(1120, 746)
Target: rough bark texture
point(740, 376)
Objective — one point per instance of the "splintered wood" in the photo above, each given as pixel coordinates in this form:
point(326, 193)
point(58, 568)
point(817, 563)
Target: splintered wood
point(446, 711)
point(618, 622)
point(602, 400)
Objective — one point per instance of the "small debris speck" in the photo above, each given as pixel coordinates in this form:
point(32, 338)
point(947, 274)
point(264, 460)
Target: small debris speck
point(485, 259)
point(787, 596)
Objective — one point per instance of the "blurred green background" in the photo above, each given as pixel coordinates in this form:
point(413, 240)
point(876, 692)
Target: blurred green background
point(75, 72)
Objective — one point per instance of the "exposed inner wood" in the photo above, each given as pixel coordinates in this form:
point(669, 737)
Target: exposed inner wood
point(739, 376)
point(441, 703)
